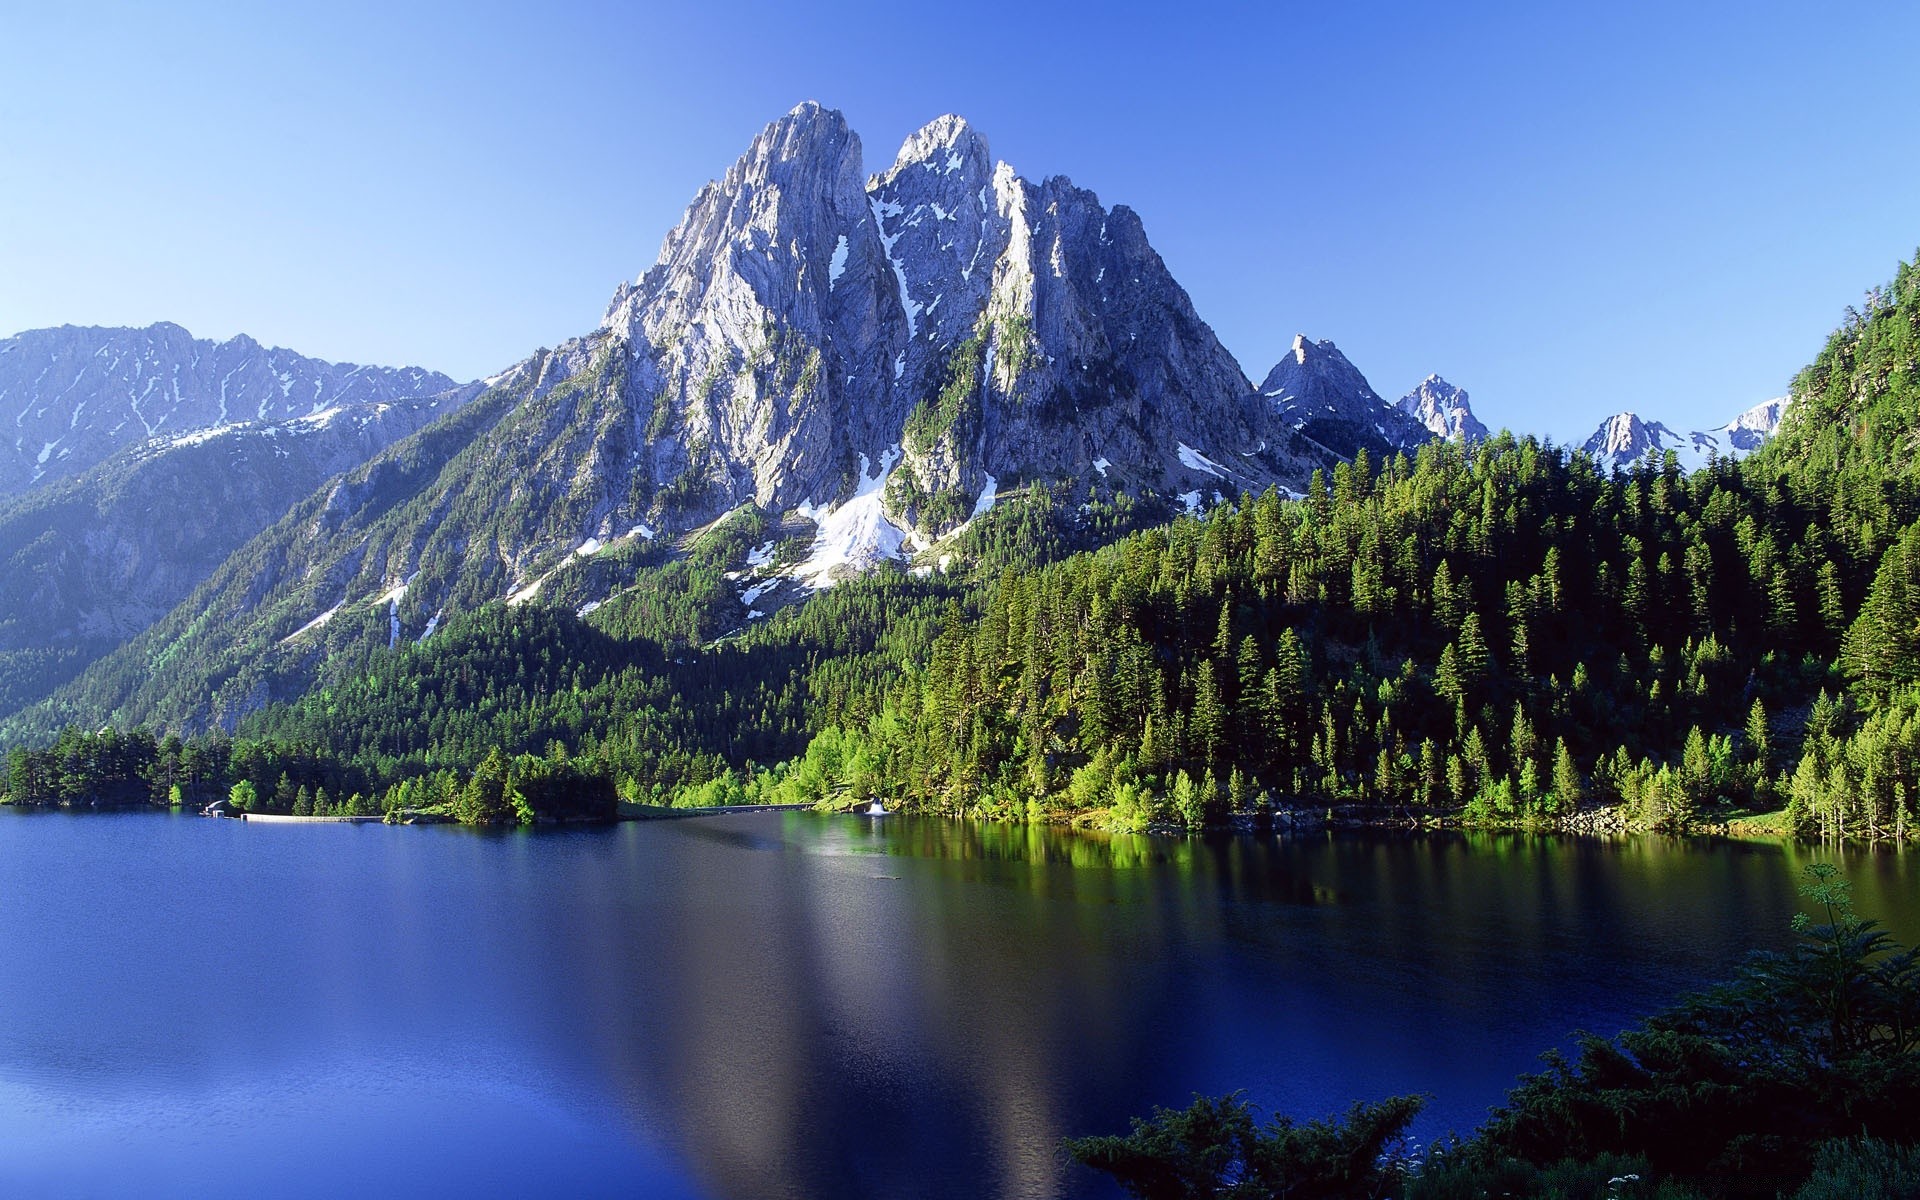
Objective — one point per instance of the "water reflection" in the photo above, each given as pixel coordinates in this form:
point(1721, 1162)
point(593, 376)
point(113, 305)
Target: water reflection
point(795, 1005)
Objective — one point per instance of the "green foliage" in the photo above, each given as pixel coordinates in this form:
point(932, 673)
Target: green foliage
point(1015, 348)
point(1858, 404)
point(1801, 1072)
point(1215, 1148)
point(1733, 1087)
point(952, 415)
point(1350, 651)
point(1449, 1175)
point(1862, 1169)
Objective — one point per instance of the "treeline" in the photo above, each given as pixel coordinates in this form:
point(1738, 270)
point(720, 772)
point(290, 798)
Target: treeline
point(1503, 632)
point(109, 767)
point(298, 779)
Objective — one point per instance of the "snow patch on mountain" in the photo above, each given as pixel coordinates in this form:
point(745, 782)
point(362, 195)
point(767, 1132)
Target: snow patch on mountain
point(314, 624)
point(1625, 438)
point(1193, 460)
point(856, 535)
point(985, 502)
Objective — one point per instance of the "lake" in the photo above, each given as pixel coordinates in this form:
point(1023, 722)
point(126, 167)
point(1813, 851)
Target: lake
point(788, 1004)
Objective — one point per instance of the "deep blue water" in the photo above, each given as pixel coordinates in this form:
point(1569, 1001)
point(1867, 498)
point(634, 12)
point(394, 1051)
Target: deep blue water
point(788, 1004)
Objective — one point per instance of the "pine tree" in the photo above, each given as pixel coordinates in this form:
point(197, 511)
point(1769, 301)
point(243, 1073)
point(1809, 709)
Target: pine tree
point(1759, 742)
point(1474, 660)
point(1569, 792)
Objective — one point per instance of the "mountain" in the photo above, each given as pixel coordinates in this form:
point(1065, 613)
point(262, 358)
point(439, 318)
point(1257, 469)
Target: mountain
point(935, 336)
point(89, 561)
point(1443, 410)
point(1315, 390)
point(869, 364)
point(1624, 438)
point(76, 395)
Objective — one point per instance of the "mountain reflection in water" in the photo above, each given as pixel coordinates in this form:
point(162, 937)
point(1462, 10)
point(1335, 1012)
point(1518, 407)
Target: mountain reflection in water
point(786, 1004)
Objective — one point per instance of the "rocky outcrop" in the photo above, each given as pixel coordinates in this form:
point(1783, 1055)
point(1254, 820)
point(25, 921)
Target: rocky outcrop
point(964, 326)
point(1443, 410)
point(71, 397)
point(1317, 391)
point(1625, 438)
point(90, 561)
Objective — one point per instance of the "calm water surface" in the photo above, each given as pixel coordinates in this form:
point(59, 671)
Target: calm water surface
point(788, 1004)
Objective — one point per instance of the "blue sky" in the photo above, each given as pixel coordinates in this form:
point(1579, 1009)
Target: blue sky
point(1565, 212)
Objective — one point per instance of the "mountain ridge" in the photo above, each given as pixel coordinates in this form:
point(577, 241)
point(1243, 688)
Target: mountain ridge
point(80, 393)
point(1625, 437)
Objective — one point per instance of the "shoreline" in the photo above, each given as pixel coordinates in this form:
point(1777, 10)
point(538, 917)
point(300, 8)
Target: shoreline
point(1598, 823)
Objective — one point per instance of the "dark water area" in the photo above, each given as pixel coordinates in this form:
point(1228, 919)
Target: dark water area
point(786, 1004)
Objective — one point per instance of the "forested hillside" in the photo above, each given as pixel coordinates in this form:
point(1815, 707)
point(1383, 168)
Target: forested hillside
point(1502, 633)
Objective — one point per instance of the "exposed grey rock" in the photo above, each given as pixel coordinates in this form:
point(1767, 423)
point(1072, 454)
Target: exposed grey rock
point(947, 316)
point(1317, 391)
point(1624, 438)
point(72, 396)
point(1443, 409)
point(89, 561)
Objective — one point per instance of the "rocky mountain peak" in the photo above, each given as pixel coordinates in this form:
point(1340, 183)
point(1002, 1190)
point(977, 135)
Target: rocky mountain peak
point(1323, 395)
point(1625, 438)
point(1310, 366)
point(1443, 409)
point(1751, 429)
point(900, 348)
point(946, 145)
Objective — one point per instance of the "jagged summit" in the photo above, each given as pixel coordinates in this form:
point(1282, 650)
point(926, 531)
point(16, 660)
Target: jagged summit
point(1309, 369)
point(1625, 438)
point(943, 145)
point(1753, 428)
point(987, 328)
point(79, 394)
point(1443, 409)
point(1318, 391)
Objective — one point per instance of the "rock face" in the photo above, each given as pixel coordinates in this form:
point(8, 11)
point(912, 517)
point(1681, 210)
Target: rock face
point(1317, 391)
point(1443, 410)
point(92, 560)
point(76, 395)
point(1624, 438)
point(953, 326)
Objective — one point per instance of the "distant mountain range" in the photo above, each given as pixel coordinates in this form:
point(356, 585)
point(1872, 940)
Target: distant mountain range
point(1625, 438)
point(71, 397)
point(93, 559)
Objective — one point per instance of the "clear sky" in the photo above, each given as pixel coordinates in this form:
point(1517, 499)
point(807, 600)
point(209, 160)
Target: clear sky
point(1566, 209)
